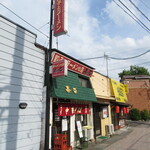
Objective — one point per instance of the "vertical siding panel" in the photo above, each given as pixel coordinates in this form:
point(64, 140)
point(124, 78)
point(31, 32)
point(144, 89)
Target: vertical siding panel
point(21, 80)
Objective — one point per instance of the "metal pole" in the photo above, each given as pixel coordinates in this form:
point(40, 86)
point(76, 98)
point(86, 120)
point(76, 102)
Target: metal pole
point(106, 57)
point(48, 81)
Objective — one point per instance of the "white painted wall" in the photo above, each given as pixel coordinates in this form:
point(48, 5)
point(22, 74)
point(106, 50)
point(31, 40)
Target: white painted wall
point(21, 80)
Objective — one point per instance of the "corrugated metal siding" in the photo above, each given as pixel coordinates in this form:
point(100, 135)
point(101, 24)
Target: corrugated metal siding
point(21, 80)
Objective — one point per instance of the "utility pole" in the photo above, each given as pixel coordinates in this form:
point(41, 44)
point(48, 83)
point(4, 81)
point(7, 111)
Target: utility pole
point(48, 81)
point(106, 57)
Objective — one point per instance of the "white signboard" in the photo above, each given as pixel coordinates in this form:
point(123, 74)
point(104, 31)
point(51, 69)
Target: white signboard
point(64, 125)
point(105, 112)
point(79, 128)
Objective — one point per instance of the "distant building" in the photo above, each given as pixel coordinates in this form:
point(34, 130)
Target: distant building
point(139, 91)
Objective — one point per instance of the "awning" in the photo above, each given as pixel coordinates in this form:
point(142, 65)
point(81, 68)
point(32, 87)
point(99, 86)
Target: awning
point(101, 103)
point(69, 87)
point(105, 97)
point(120, 104)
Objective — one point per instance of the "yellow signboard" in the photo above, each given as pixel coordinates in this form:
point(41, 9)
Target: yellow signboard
point(126, 88)
point(119, 91)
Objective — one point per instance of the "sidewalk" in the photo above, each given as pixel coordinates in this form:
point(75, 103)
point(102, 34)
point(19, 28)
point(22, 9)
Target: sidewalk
point(101, 144)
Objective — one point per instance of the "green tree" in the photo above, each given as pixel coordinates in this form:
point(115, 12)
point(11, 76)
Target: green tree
point(145, 115)
point(135, 114)
point(134, 70)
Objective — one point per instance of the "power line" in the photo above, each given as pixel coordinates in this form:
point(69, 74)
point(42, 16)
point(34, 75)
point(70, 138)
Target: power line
point(44, 25)
point(129, 66)
point(118, 58)
point(131, 57)
point(134, 15)
point(91, 58)
point(24, 20)
point(144, 4)
point(131, 16)
point(139, 10)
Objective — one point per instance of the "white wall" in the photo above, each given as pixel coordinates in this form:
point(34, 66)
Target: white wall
point(21, 80)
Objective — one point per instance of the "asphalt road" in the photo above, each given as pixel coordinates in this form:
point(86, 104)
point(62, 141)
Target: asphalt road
point(134, 137)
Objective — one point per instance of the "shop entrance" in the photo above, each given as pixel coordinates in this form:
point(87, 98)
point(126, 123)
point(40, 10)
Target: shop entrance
point(61, 124)
point(97, 121)
point(83, 121)
point(115, 118)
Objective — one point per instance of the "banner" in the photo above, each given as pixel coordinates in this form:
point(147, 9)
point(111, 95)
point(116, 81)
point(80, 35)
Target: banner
point(60, 17)
point(71, 109)
point(119, 91)
point(73, 65)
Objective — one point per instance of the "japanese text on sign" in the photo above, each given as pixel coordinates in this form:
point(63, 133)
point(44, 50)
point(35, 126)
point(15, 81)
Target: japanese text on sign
point(73, 65)
point(59, 18)
point(119, 91)
point(71, 109)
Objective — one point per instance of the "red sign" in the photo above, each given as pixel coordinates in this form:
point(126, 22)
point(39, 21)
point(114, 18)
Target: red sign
point(71, 109)
point(59, 68)
point(73, 65)
point(59, 18)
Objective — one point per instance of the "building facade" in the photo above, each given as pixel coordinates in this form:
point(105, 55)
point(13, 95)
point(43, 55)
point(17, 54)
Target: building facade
point(139, 91)
point(110, 109)
point(21, 87)
point(101, 85)
point(72, 96)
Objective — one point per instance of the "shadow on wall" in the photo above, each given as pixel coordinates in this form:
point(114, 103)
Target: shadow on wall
point(10, 115)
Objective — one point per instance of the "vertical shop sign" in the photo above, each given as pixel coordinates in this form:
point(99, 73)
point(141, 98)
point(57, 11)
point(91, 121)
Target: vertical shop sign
point(60, 12)
point(59, 68)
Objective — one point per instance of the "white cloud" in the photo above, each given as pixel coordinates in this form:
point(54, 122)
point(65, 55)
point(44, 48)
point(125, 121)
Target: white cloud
point(117, 15)
point(86, 38)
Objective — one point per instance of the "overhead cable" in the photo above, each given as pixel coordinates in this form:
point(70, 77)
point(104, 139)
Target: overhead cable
point(44, 25)
point(130, 16)
point(131, 57)
point(134, 15)
point(24, 20)
point(139, 10)
point(129, 66)
point(109, 57)
point(91, 58)
point(144, 4)
point(137, 20)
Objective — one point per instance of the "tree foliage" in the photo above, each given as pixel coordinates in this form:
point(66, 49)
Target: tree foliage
point(145, 115)
point(134, 70)
point(135, 114)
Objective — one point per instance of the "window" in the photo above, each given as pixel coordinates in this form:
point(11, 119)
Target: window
point(84, 82)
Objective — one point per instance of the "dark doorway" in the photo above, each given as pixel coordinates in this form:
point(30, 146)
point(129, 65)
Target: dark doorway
point(96, 118)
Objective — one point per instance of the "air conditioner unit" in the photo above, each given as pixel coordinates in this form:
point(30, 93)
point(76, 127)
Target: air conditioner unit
point(109, 129)
point(112, 128)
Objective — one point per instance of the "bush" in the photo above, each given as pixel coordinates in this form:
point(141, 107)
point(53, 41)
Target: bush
point(135, 114)
point(145, 115)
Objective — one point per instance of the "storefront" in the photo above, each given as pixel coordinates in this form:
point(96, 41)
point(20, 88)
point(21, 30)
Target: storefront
point(101, 118)
point(119, 108)
point(101, 108)
point(119, 113)
point(72, 97)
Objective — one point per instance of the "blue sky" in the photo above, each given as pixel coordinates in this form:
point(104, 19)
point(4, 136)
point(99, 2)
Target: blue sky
point(95, 27)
